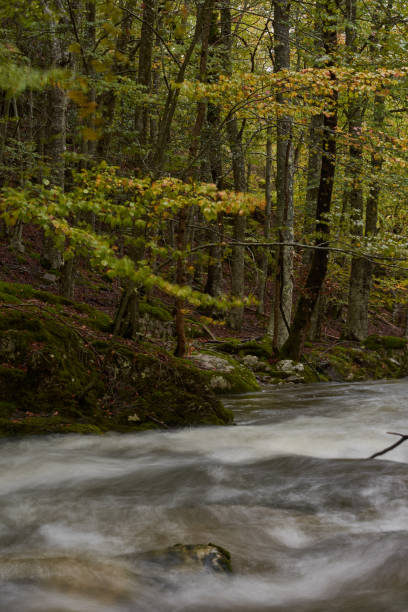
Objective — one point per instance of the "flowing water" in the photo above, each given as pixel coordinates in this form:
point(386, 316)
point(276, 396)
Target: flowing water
point(312, 526)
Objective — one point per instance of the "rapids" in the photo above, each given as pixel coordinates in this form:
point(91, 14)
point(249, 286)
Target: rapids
point(312, 526)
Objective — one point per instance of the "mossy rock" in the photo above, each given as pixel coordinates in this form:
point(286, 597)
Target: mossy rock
point(352, 363)
point(311, 375)
point(376, 342)
point(261, 348)
point(224, 373)
point(66, 384)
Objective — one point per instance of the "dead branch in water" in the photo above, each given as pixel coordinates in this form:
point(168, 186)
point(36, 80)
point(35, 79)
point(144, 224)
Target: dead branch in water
point(389, 448)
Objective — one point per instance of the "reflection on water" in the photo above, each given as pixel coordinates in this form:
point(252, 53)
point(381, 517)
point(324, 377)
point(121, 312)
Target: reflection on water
point(312, 526)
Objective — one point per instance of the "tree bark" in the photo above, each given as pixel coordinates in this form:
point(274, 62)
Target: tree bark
point(213, 154)
point(190, 173)
point(313, 177)
point(317, 273)
point(263, 268)
point(56, 128)
point(284, 185)
point(145, 67)
point(239, 174)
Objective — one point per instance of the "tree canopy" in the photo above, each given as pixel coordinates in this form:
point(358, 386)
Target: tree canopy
point(224, 154)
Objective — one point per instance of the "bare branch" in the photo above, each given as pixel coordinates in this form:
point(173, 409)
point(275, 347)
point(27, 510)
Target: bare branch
point(389, 448)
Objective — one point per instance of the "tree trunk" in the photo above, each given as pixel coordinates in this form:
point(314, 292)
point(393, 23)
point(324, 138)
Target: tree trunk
point(284, 185)
point(313, 177)
point(317, 273)
point(56, 131)
point(184, 214)
point(362, 269)
point(145, 67)
point(238, 169)
point(213, 153)
point(263, 267)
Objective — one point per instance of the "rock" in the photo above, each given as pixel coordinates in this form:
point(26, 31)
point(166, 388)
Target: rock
point(251, 361)
point(206, 361)
point(225, 375)
point(289, 367)
point(209, 557)
point(294, 378)
point(50, 278)
point(218, 383)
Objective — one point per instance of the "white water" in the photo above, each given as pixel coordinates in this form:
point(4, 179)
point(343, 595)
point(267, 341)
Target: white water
point(311, 525)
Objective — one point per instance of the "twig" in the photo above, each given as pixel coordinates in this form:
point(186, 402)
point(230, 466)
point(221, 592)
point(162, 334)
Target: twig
point(377, 316)
point(158, 421)
point(209, 332)
point(389, 448)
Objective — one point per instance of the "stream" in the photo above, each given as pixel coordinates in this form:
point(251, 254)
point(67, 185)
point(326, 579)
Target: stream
point(311, 525)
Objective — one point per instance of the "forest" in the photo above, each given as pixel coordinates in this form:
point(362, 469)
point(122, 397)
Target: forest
point(204, 287)
point(235, 170)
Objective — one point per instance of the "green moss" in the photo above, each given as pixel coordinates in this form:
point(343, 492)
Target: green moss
point(57, 368)
point(15, 292)
point(82, 428)
point(8, 298)
point(375, 342)
point(44, 424)
point(18, 290)
point(7, 409)
point(228, 346)
point(155, 311)
point(238, 380)
point(241, 380)
point(262, 348)
point(311, 375)
point(363, 363)
point(99, 321)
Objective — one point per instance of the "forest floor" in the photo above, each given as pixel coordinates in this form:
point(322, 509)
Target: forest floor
point(102, 293)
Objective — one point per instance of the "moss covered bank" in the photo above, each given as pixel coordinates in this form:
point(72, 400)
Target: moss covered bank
point(61, 372)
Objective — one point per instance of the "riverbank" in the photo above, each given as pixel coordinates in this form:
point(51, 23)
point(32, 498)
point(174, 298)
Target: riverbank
point(62, 371)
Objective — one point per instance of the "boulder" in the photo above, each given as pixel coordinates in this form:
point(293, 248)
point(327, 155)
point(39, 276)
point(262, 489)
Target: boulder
point(252, 362)
point(290, 367)
point(205, 361)
point(225, 374)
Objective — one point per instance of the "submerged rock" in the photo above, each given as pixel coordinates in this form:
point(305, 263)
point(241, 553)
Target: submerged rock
point(193, 557)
